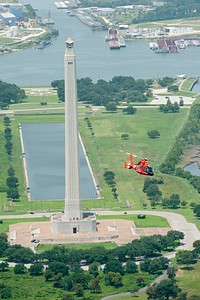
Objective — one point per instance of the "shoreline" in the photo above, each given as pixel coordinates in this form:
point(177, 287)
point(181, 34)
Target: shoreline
point(24, 165)
point(90, 168)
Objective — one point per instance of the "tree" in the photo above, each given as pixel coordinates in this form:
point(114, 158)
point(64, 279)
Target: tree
point(78, 289)
point(3, 243)
point(183, 203)
point(3, 266)
point(196, 245)
point(111, 106)
point(58, 267)
point(152, 191)
point(171, 272)
point(114, 279)
point(157, 265)
point(175, 235)
point(153, 134)
point(12, 182)
point(185, 257)
point(36, 269)
point(172, 88)
point(48, 274)
point(131, 267)
point(172, 202)
point(93, 269)
point(8, 147)
point(114, 266)
point(196, 210)
point(11, 172)
point(20, 269)
point(164, 290)
point(130, 110)
point(6, 121)
point(94, 285)
point(13, 193)
point(166, 81)
point(181, 102)
point(10, 93)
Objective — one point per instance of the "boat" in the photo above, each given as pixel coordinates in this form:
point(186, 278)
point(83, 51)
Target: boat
point(44, 44)
point(114, 45)
point(122, 42)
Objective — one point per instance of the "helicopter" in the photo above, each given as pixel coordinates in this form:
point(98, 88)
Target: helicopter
point(142, 167)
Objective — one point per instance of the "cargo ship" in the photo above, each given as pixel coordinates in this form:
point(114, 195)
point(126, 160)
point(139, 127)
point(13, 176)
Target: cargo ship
point(44, 44)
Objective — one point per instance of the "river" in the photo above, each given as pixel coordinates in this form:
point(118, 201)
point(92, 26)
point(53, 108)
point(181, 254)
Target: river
point(94, 59)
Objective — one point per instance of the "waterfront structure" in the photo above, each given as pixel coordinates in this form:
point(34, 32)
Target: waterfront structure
point(73, 220)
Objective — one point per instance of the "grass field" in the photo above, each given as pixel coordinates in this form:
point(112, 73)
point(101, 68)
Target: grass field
point(103, 150)
point(188, 280)
point(104, 153)
point(107, 245)
point(149, 221)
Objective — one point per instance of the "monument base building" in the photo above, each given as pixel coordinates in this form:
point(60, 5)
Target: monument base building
point(60, 225)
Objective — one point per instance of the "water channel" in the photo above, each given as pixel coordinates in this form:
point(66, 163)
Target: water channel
point(44, 152)
point(94, 58)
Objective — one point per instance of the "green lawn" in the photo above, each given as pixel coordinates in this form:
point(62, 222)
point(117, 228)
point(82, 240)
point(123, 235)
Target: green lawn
point(188, 280)
point(4, 227)
point(149, 221)
point(187, 84)
point(107, 245)
point(103, 152)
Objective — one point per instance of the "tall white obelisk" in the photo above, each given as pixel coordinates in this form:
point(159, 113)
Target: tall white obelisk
point(73, 209)
point(73, 220)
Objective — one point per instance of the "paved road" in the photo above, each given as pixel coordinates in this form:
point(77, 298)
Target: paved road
point(176, 221)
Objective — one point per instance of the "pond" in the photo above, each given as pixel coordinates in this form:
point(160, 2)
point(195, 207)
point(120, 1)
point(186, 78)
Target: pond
point(193, 168)
point(45, 159)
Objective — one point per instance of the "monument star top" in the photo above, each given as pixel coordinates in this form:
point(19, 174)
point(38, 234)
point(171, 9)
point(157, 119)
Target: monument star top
point(69, 43)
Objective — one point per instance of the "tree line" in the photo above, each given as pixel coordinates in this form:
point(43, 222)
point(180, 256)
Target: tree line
point(189, 136)
point(119, 89)
point(111, 3)
point(172, 9)
point(146, 247)
point(12, 181)
point(63, 266)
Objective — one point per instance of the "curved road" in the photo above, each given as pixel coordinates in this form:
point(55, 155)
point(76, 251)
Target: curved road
point(176, 221)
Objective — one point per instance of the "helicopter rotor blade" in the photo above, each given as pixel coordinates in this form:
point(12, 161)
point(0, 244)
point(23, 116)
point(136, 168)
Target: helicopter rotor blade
point(134, 155)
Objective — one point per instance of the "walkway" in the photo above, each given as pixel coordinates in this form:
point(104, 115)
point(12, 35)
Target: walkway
point(176, 222)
